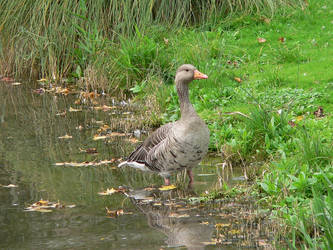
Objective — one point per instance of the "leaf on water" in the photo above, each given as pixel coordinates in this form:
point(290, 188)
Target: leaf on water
point(66, 136)
point(42, 80)
point(110, 191)
point(80, 127)
point(99, 137)
point(84, 164)
point(60, 90)
point(261, 40)
point(61, 114)
point(234, 231)
point(175, 215)
point(237, 79)
point(39, 91)
point(9, 186)
point(115, 213)
point(126, 113)
point(16, 83)
point(149, 188)
point(45, 206)
point(204, 223)
point(89, 150)
point(74, 110)
point(166, 188)
point(263, 243)
point(104, 108)
point(116, 134)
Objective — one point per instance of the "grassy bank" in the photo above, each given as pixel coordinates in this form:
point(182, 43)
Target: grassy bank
point(268, 99)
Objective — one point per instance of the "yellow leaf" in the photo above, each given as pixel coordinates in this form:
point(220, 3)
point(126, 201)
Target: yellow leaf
point(99, 137)
point(108, 191)
point(74, 110)
point(66, 136)
point(165, 188)
point(299, 118)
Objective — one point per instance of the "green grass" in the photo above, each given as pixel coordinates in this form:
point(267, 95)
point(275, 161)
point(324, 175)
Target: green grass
point(283, 83)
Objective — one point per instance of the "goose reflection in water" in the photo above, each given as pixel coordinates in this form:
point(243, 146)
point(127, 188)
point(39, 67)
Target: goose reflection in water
point(181, 226)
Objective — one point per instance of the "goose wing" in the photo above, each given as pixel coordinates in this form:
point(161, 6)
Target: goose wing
point(140, 154)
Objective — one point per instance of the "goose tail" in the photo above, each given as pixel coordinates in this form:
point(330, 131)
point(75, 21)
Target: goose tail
point(134, 164)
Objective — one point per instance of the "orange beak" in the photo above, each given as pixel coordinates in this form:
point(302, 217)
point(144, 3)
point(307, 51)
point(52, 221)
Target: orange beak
point(199, 75)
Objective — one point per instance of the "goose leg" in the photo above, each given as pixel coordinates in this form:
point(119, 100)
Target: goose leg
point(190, 175)
point(167, 181)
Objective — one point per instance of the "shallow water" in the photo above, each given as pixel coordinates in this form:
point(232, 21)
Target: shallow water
point(30, 127)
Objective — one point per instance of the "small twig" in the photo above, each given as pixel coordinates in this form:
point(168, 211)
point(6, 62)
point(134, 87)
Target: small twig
point(237, 113)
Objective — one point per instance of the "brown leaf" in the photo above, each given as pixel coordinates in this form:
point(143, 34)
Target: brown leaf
point(237, 79)
point(89, 150)
point(282, 39)
point(319, 112)
point(84, 164)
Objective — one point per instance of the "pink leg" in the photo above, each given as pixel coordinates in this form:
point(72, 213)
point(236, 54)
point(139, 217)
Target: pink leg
point(190, 175)
point(167, 181)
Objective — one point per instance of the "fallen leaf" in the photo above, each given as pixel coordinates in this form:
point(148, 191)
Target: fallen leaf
point(115, 213)
point(66, 136)
point(39, 91)
point(237, 79)
point(89, 150)
point(104, 108)
point(84, 164)
point(261, 40)
point(99, 137)
point(74, 110)
point(9, 186)
point(61, 114)
point(42, 80)
point(175, 215)
point(16, 83)
point(299, 118)
point(319, 112)
point(221, 225)
point(166, 41)
point(45, 206)
point(108, 191)
point(166, 188)
point(282, 39)
point(267, 20)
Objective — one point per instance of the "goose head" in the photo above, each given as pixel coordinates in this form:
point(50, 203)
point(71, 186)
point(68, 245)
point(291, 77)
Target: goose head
point(187, 73)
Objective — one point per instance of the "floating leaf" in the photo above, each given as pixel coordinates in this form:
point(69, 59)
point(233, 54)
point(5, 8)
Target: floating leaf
point(89, 150)
point(16, 83)
point(221, 225)
point(61, 114)
point(84, 164)
point(9, 186)
point(166, 188)
point(74, 110)
point(104, 108)
point(66, 136)
point(133, 140)
point(99, 137)
point(45, 206)
point(176, 215)
point(108, 191)
point(115, 213)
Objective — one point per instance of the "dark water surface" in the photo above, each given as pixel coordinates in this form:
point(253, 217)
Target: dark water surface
point(30, 127)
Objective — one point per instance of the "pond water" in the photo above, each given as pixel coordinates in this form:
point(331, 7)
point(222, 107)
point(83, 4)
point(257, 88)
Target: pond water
point(142, 217)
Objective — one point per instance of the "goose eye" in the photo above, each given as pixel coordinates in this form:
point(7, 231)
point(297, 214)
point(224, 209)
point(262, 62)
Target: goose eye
point(187, 70)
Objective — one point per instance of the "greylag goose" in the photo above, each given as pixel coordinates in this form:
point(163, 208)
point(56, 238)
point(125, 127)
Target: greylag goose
point(176, 145)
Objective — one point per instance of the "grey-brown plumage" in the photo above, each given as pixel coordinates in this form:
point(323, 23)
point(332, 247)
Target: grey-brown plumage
point(178, 145)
